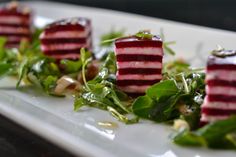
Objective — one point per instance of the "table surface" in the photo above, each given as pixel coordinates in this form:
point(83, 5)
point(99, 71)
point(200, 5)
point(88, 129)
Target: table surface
point(16, 141)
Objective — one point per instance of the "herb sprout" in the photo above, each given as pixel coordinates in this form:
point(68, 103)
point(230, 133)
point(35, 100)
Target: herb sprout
point(211, 135)
point(166, 44)
point(144, 34)
point(178, 95)
point(102, 93)
point(31, 66)
point(108, 38)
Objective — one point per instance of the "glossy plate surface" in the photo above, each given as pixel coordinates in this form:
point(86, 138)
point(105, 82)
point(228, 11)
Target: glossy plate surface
point(79, 132)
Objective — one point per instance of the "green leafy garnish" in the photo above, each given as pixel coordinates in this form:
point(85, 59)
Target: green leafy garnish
point(144, 35)
point(102, 93)
point(2, 44)
point(217, 134)
point(5, 69)
point(70, 66)
point(166, 44)
point(179, 95)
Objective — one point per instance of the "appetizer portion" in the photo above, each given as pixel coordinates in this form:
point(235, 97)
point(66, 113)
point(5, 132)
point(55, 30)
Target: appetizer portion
point(63, 39)
point(15, 24)
point(220, 101)
point(139, 63)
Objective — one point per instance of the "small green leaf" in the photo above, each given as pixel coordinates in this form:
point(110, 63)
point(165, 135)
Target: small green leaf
point(78, 103)
point(49, 83)
point(165, 88)
point(71, 66)
point(232, 138)
point(2, 45)
point(5, 69)
point(168, 50)
point(122, 117)
point(142, 106)
point(166, 44)
point(83, 55)
point(144, 35)
point(186, 138)
point(214, 135)
point(22, 72)
point(165, 109)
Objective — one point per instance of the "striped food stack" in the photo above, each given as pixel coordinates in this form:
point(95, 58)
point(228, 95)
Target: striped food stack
point(63, 39)
point(139, 63)
point(220, 101)
point(15, 24)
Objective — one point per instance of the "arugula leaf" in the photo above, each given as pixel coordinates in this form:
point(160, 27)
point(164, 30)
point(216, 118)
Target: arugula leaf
point(2, 50)
point(78, 103)
point(187, 138)
point(165, 88)
point(102, 93)
point(159, 102)
point(211, 135)
point(165, 109)
point(108, 69)
point(121, 117)
point(142, 106)
point(5, 69)
point(22, 72)
point(231, 137)
point(144, 34)
point(167, 49)
point(178, 95)
point(71, 66)
point(49, 82)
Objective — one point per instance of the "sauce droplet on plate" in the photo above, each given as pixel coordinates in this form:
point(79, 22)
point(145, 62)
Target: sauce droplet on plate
point(108, 125)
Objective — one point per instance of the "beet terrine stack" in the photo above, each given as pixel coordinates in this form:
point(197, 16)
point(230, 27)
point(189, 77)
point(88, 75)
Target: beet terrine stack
point(63, 39)
point(220, 101)
point(15, 24)
point(139, 63)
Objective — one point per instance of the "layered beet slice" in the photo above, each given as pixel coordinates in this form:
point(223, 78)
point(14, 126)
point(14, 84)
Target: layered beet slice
point(220, 101)
point(139, 63)
point(63, 39)
point(15, 24)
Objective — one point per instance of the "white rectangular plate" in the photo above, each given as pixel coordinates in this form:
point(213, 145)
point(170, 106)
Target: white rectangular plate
point(78, 132)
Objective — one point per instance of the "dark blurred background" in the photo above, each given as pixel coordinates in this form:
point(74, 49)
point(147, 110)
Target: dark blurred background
point(211, 13)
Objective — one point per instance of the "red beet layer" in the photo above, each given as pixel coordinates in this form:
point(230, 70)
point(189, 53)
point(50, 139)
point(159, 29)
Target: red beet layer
point(218, 112)
point(224, 63)
point(58, 52)
point(134, 57)
point(141, 44)
point(221, 67)
point(71, 24)
point(147, 71)
point(136, 82)
point(63, 40)
point(134, 95)
point(221, 98)
point(15, 25)
point(15, 34)
point(221, 83)
point(13, 12)
point(14, 9)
